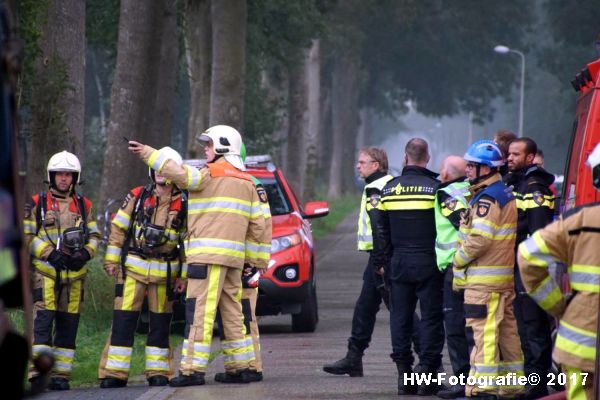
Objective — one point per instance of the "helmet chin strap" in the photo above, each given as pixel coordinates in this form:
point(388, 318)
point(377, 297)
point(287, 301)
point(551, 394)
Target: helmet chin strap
point(479, 177)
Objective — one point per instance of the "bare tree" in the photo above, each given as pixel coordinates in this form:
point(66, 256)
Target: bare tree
point(58, 99)
point(228, 62)
point(141, 106)
point(198, 47)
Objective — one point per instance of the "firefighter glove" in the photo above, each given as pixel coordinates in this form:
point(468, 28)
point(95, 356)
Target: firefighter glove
point(58, 260)
point(78, 260)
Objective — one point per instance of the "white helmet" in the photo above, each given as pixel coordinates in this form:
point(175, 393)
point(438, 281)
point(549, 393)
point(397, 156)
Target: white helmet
point(64, 162)
point(227, 142)
point(171, 154)
point(594, 162)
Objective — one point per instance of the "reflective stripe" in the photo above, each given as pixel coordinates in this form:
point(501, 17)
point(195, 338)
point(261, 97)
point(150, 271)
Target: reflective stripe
point(395, 203)
point(63, 366)
point(157, 351)
point(514, 367)
point(93, 227)
point(113, 253)
point(585, 277)
point(157, 160)
point(194, 177)
point(535, 251)
point(29, 227)
point(150, 266)
point(118, 365)
point(223, 204)
point(239, 357)
point(258, 250)
point(491, 271)
point(483, 369)
point(156, 365)
point(234, 344)
point(487, 229)
point(576, 341)
point(216, 246)
point(445, 246)
point(120, 350)
point(547, 294)
point(38, 246)
point(122, 220)
point(40, 348)
point(461, 258)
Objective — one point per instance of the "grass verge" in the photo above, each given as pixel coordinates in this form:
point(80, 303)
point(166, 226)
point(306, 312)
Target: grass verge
point(339, 209)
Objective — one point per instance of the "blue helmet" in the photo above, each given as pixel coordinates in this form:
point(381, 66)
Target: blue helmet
point(484, 152)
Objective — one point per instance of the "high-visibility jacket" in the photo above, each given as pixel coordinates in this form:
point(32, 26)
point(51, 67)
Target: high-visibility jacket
point(370, 199)
point(485, 257)
point(142, 263)
point(572, 240)
point(61, 212)
point(450, 201)
point(224, 211)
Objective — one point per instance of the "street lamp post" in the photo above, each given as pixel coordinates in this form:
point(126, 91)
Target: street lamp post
point(505, 50)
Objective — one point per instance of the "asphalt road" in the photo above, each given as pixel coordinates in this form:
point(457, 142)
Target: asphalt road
point(293, 362)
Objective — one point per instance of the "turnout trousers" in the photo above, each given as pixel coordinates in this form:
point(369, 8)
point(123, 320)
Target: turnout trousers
point(56, 307)
point(496, 346)
point(129, 297)
point(249, 297)
point(576, 389)
point(219, 288)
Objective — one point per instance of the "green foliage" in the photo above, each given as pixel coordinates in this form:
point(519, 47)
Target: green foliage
point(102, 25)
point(339, 209)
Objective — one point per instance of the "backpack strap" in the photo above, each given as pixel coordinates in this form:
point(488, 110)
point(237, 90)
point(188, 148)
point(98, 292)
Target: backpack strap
point(40, 213)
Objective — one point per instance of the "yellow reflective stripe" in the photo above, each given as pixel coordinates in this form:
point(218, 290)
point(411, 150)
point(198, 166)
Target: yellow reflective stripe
point(576, 341)
point(122, 220)
point(161, 298)
point(29, 227)
point(113, 254)
point(585, 277)
point(128, 293)
point(489, 330)
point(74, 297)
point(576, 391)
point(547, 294)
point(194, 177)
point(462, 258)
point(49, 294)
point(156, 161)
point(408, 205)
point(38, 246)
point(49, 270)
point(92, 246)
point(536, 252)
point(214, 277)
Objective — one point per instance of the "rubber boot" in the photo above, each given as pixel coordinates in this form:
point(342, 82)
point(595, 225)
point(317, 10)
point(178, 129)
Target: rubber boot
point(243, 376)
point(196, 379)
point(250, 375)
point(57, 383)
point(425, 389)
point(405, 388)
point(349, 365)
point(112, 383)
point(158, 380)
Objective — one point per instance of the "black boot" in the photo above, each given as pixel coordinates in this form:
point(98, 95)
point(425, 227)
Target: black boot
point(158, 380)
point(431, 388)
point(243, 376)
point(405, 388)
point(59, 384)
point(112, 383)
point(195, 379)
point(350, 365)
point(452, 392)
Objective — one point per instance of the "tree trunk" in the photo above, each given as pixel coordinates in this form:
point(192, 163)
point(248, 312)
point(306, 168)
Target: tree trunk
point(136, 93)
point(228, 62)
point(363, 129)
point(312, 133)
point(198, 43)
point(58, 102)
point(344, 103)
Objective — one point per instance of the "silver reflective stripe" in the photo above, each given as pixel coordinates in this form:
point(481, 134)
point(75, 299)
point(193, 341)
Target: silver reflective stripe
point(459, 274)
point(513, 367)
point(584, 277)
point(493, 271)
point(533, 249)
point(445, 246)
point(153, 364)
point(232, 205)
point(576, 337)
point(158, 162)
point(234, 344)
point(63, 366)
point(39, 348)
point(198, 347)
point(258, 248)
point(110, 249)
point(365, 238)
point(543, 292)
point(114, 364)
point(157, 351)
point(67, 353)
point(195, 243)
point(239, 357)
point(486, 369)
point(120, 351)
point(193, 176)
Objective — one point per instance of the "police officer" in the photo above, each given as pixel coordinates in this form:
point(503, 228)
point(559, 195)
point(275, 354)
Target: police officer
point(572, 240)
point(483, 267)
point(143, 254)
point(450, 203)
point(250, 280)
point(62, 236)
point(372, 166)
point(224, 214)
point(407, 253)
point(535, 207)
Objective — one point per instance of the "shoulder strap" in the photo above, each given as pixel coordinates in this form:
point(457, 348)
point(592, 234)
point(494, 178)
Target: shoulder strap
point(40, 213)
point(83, 211)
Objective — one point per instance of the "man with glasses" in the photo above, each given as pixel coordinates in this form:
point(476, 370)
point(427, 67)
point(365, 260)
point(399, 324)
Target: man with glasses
point(372, 166)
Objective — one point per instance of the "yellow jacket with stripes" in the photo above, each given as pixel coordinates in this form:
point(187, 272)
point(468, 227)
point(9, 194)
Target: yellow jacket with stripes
point(486, 239)
point(570, 241)
point(225, 217)
point(149, 266)
point(62, 212)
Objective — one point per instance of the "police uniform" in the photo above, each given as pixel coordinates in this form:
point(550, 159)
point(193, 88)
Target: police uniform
point(535, 205)
point(483, 267)
point(407, 235)
point(451, 202)
point(572, 240)
point(224, 216)
point(146, 266)
point(57, 292)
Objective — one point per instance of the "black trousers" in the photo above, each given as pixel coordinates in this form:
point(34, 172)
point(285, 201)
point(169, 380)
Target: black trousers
point(534, 330)
point(415, 277)
point(454, 322)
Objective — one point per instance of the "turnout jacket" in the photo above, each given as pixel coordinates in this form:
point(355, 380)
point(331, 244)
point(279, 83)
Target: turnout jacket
point(572, 240)
point(61, 212)
point(141, 263)
point(535, 200)
point(226, 221)
point(485, 257)
point(256, 260)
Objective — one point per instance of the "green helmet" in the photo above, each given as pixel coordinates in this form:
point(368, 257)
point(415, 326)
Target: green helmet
point(243, 152)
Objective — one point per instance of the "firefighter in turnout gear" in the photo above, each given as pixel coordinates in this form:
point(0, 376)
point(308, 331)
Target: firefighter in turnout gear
point(62, 236)
point(572, 240)
point(372, 166)
point(144, 255)
point(450, 203)
point(535, 208)
point(250, 278)
point(408, 257)
point(483, 267)
point(225, 225)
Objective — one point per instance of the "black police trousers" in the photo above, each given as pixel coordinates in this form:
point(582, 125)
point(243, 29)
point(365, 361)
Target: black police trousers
point(454, 322)
point(414, 277)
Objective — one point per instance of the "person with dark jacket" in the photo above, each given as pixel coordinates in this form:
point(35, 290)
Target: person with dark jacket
point(535, 206)
point(406, 250)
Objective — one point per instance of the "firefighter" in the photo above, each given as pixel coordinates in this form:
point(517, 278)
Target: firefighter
point(483, 267)
point(143, 253)
point(450, 203)
point(572, 240)
point(408, 257)
point(535, 208)
point(62, 236)
point(224, 214)
point(372, 166)
point(250, 279)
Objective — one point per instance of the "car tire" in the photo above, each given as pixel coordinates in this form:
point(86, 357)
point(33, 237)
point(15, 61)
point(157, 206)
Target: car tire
point(306, 320)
